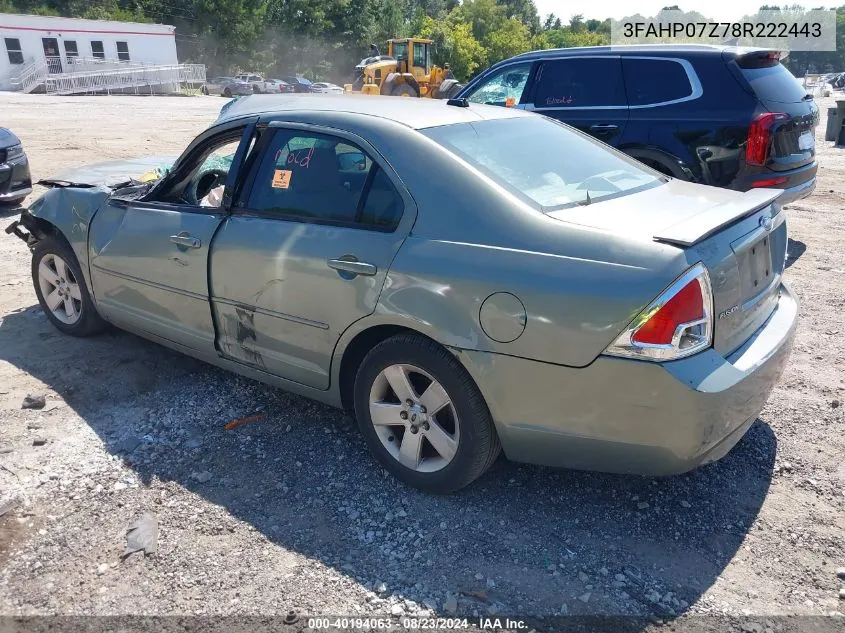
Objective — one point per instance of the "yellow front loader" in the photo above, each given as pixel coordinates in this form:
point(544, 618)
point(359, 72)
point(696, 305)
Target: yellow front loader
point(406, 71)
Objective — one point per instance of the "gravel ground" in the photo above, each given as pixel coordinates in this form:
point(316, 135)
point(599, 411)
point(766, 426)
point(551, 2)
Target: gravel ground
point(289, 512)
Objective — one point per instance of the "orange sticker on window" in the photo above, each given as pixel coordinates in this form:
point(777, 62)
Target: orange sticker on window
point(510, 102)
point(281, 178)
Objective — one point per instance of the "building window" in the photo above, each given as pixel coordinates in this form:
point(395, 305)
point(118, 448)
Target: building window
point(13, 48)
point(123, 51)
point(71, 51)
point(97, 50)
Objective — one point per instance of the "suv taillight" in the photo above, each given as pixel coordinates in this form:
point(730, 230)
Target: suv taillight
point(760, 137)
point(677, 324)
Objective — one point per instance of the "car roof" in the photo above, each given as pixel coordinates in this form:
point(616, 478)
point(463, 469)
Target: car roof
point(667, 50)
point(414, 113)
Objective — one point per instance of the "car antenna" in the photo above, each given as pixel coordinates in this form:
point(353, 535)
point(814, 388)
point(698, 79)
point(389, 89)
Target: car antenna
point(461, 102)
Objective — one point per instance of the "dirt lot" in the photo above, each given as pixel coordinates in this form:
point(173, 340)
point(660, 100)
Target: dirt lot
point(290, 512)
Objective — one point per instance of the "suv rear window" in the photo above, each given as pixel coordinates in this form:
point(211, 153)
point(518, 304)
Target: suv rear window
point(545, 163)
point(651, 81)
point(774, 83)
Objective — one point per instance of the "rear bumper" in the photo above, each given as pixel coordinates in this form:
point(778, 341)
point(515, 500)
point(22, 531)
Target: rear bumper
point(799, 183)
point(628, 416)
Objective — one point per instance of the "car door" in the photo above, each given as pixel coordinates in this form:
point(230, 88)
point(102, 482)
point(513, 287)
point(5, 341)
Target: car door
point(585, 92)
point(306, 250)
point(149, 257)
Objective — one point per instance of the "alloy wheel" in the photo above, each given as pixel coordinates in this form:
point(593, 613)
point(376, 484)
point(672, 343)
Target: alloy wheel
point(414, 418)
point(60, 289)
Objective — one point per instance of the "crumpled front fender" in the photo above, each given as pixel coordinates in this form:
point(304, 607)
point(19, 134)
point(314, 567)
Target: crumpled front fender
point(69, 210)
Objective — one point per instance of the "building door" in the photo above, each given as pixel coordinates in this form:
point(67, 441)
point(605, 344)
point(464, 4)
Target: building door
point(52, 54)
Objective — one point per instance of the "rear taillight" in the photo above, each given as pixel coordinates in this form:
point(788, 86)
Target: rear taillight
point(675, 325)
point(760, 137)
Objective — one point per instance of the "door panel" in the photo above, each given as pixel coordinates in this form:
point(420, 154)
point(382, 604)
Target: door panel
point(149, 270)
point(279, 302)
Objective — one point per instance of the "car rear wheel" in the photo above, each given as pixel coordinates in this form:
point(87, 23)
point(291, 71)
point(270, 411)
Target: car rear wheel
point(227, 93)
point(422, 415)
point(61, 290)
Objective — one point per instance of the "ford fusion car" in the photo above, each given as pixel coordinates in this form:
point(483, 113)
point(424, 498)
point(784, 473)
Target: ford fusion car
point(464, 279)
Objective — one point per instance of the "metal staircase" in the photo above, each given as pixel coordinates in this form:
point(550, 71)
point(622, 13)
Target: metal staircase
point(30, 76)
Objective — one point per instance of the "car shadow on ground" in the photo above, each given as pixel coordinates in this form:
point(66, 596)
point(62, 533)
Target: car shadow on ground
point(521, 540)
point(794, 250)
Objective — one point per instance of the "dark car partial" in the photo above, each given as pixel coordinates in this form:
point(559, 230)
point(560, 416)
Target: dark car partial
point(300, 84)
point(15, 179)
point(724, 116)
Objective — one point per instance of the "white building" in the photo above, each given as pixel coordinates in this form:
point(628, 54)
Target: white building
point(70, 45)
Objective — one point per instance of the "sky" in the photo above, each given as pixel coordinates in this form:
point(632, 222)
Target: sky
point(719, 10)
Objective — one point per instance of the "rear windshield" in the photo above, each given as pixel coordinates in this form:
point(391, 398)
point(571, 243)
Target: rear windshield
point(774, 83)
point(547, 164)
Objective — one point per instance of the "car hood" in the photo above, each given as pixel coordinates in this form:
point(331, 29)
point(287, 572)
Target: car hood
point(676, 212)
point(7, 138)
point(115, 172)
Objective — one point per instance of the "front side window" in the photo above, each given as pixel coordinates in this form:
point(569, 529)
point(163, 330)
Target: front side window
point(123, 51)
point(97, 50)
point(320, 177)
point(504, 88)
point(545, 163)
point(201, 180)
point(651, 81)
point(13, 49)
point(580, 82)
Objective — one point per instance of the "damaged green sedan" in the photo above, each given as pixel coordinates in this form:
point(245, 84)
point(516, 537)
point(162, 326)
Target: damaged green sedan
point(464, 279)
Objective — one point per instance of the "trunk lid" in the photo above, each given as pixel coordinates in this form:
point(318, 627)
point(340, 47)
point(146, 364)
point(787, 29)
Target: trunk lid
point(792, 140)
point(740, 237)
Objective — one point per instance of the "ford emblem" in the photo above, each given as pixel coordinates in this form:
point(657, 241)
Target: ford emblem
point(766, 222)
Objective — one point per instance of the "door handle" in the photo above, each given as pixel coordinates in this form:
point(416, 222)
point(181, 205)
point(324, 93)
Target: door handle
point(354, 267)
point(186, 239)
point(604, 127)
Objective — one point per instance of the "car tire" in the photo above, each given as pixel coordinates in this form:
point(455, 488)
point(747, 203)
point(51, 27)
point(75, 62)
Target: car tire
point(463, 427)
point(81, 319)
point(403, 90)
point(227, 93)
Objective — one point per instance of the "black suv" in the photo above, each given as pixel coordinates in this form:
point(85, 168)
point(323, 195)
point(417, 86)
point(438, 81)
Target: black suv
point(724, 116)
point(15, 181)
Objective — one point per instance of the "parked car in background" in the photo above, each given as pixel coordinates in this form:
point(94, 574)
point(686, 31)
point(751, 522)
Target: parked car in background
point(273, 86)
point(227, 87)
point(325, 87)
point(564, 302)
point(256, 82)
point(15, 179)
point(300, 84)
point(724, 116)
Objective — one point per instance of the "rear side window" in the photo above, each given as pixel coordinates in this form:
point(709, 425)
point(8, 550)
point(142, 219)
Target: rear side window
point(652, 81)
point(317, 176)
point(774, 83)
point(580, 82)
point(547, 164)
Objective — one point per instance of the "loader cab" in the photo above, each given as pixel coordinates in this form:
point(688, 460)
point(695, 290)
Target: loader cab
point(412, 56)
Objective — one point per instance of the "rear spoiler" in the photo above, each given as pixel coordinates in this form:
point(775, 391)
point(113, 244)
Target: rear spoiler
point(754, 57)
point(700, 227)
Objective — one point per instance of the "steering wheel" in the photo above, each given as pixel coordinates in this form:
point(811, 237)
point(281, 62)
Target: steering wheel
point(199, 187)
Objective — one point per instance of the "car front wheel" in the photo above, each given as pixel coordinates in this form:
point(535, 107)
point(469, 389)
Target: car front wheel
point(422, 415)
point(61, 290)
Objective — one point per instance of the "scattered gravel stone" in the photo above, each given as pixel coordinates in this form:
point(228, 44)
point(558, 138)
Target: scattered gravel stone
point(102, 568)
point(642, 505)
point(34, 401)
point(585, 597)
point(397, 610)
point(685, 503)
point(451, 605)
point(39, 441)
point(491, 584)
point(583, 577)
point(202, 477)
